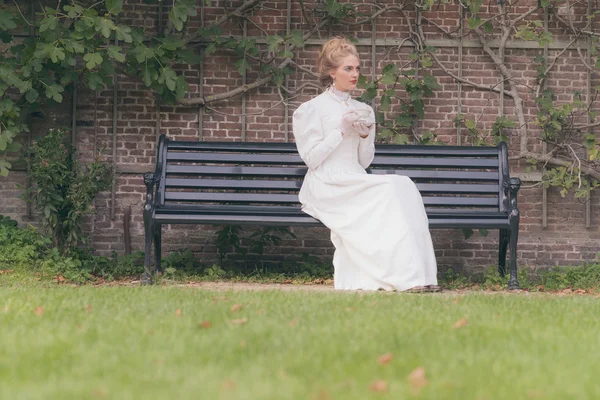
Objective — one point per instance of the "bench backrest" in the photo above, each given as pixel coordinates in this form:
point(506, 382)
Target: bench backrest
point(448, 177)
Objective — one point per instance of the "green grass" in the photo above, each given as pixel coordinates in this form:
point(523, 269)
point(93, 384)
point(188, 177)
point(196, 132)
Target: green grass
point(132, 343)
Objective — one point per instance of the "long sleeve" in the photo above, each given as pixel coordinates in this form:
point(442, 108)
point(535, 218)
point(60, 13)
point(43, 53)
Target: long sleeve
point(366, 146)
point(313, 144)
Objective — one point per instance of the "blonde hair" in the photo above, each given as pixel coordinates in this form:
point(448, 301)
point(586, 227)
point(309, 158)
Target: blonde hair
point(331, 55)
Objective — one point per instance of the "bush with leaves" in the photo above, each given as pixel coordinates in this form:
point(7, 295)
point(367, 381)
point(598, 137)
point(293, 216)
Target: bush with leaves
point(63, 190)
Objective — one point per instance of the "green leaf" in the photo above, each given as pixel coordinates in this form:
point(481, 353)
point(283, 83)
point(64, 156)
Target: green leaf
point(6, 20)
point(54, 91)
point(470, 124)
point(489, 28)
point(297, 38)
point(92, 60)
point(32, 95)
point(273, 42)
point(143, 53)
point(401, 139)
point(431, 82)
point(242, 66)
point(114, 52)
point(172, 43)
point(105, 26)
point(114, 6)
point(404, 120)
point(4, 167)
point(285, 54)
point(94, 80)
point(123, 33)
point(474, 23)
point(389, 78)
point(48, 23)
point(483, 232)
point(168, 77)
point(55, 53)
point(468, 233)
point(189, 56)
point(386, 102)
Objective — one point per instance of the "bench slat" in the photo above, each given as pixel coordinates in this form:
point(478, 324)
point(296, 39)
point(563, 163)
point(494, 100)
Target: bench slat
point(382, 149)
point(294, 185)
point(278, 198)
point(288, 159)
point(214, 170)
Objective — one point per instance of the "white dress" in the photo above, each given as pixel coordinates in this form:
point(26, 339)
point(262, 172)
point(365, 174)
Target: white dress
point(378, 222)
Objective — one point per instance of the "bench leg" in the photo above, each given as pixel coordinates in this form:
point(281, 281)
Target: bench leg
point(513, 283)
point(148, 272)
point(503, 246)
point(157, 247)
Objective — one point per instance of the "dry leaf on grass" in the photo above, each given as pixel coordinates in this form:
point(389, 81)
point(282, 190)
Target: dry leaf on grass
point(379, 386)
point(240, 321)
point(205, 324)
point(242, 343)
point(385, 359)
point(178, 312)
point(6, 271)
point(217, 298)
point(228, 384)
point(88, 308)
point(38, 311)
point(294, 322)
point(236, 307)
point(322, 395)
point(461, 322)
point(417, 379)
point(6, 308)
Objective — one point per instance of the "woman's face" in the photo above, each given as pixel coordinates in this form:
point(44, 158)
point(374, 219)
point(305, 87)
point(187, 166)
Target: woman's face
point(346, 75)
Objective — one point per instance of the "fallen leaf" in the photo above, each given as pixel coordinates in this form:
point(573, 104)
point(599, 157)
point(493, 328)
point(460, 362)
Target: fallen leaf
point(379, 386)
point(6, 271)
point(242, 343)
point(455, 300)
point(236, 307)
point(567, 291)
point(217, 298)
point(228, 384)
point(540, 288)
point(6, 308)
point(461, 322)
point(322, 395)
point(205, 324)
point(39, 311)
point(178, 312)
point(581, 291)
point(385, 359)
point(294, 322)
point(240, 321)
point(100, 393)
point(349, 309)
point(417, 379)
point(286, 282)
point(88, 308)
point(59, 278)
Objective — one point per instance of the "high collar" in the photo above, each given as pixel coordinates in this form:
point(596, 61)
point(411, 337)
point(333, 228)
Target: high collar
point(338, 94)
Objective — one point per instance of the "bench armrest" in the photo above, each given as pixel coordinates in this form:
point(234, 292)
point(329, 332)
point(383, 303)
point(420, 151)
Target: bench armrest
point(149, 181)
point(514, 186)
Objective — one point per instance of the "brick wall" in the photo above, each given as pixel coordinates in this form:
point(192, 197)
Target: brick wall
point(564, 241)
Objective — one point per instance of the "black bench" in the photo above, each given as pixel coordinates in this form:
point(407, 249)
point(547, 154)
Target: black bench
point(258, 183)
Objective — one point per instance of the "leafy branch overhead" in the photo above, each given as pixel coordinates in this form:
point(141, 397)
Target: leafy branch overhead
point(87, 42)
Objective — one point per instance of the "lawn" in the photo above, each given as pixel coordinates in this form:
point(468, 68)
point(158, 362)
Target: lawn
point(64, 342)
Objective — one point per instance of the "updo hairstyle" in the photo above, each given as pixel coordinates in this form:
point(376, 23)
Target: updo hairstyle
point(331, 55)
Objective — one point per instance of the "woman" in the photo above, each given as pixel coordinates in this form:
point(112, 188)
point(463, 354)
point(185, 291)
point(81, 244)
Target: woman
point(378, 222)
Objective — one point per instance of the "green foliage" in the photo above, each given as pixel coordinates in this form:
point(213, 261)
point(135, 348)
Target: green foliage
point(229, 240)
point(406, 89)
point(63, 190)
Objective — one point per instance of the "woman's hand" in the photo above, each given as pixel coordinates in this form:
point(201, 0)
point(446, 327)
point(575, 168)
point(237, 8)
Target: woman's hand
point(352, 123)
